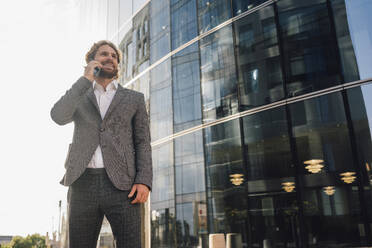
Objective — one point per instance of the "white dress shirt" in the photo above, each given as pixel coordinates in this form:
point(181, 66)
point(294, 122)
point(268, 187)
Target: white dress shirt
point(104, 99)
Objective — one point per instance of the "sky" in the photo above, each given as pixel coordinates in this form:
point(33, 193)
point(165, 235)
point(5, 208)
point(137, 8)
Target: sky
point(42, 45)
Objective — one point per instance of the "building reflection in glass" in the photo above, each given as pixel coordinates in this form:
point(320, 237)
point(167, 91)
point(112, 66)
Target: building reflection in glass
point(289, 176)
point(227, 203)
point(186, 88)
point(218, 75)
point(191, 205)
point(258, 58)
point(273, 211)
point(320, 131)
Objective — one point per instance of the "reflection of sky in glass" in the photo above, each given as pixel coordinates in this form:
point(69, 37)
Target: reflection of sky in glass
point(358, 14)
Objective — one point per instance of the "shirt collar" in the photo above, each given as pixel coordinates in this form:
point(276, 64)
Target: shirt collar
point(113, 85)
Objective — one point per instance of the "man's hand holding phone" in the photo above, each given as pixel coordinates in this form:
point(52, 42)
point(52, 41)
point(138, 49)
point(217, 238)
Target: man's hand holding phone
point(89, 71)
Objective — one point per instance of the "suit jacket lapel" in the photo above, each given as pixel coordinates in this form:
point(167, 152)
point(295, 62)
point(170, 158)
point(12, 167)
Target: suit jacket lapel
point(118, 97)
point(93, 99)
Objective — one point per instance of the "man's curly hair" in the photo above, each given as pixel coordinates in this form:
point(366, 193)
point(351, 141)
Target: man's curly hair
point(93, 50)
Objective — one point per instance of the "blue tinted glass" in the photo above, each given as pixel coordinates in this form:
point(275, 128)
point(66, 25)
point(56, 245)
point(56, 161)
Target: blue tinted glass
point(184, 22)
point(161, 113)
point(159, 29)
point(186, 88)
point(212, 13)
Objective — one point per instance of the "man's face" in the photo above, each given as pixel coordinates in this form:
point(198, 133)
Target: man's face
point(108, 58)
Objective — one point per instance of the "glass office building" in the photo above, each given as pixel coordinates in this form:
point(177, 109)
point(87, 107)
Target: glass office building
point(260, 114)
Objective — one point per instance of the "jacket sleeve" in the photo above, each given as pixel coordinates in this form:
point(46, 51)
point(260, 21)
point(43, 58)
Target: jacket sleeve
point(142, 139)
point(64, 109)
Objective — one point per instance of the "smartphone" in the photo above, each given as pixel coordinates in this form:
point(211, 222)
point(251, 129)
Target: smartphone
point(96, 72)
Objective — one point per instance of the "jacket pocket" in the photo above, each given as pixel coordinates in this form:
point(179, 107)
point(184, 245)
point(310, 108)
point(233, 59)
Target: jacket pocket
point(68, 156)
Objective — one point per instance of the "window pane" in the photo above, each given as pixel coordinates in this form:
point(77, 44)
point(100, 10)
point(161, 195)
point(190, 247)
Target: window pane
point(212, 13)
point(273, 210)
point(331, 201)
point(190, 191)
point(159, 29)
point(226, 183)
point(161, 113)
point(186, 88)
point(162, 197)
point(260, 72)
point(240, 6)
point(184, 22)
point(309, 46)
point(346, 50)
point(218, 75)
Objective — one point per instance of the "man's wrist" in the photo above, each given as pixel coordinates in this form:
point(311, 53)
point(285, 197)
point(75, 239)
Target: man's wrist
point(89, 78)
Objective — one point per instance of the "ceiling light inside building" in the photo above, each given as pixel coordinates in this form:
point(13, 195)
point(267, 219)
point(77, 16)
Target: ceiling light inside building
point(348, 177)
point(329, 190)
point(288, 186)
point(314, 165)
point(236, 179)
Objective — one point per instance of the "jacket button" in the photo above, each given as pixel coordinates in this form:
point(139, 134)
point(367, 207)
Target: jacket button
point(102, 129)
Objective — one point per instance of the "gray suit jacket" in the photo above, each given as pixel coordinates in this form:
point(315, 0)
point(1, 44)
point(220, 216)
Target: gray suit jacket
point(123, 134)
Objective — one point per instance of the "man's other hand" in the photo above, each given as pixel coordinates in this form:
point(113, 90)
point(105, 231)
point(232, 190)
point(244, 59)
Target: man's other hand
point(142, 193)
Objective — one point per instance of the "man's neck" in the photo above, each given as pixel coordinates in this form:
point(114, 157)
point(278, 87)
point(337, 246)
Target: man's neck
point(104, 81)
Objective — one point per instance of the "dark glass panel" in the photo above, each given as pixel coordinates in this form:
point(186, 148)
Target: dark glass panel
point(186, 88)
point(184, 22)
point(191, 203)
point(309, 46)
point(359, 22)
point(272, 204)
point(258, 58)
point(159, 29)
point(360, 103)
point(240, 6)
point(161, 114)
point(321, 133)
point(227, 202)
point(212, 13)
point(346, 50)
point(218, 75)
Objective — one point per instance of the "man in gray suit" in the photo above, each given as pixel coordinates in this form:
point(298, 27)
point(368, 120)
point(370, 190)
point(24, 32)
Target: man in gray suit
point(108, 165)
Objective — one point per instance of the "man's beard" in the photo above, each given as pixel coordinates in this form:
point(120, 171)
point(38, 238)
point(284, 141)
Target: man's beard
point(107, 74)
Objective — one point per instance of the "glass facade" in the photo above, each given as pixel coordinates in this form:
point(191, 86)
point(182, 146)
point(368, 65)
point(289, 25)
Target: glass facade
point(260, 115)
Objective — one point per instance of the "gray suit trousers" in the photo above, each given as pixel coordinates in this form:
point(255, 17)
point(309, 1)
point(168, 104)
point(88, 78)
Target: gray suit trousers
point(93, 196)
